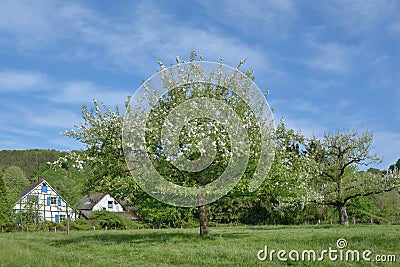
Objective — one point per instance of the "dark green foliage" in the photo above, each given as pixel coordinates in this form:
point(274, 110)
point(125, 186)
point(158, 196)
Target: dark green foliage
point(16, 180)
point(362, 209)
point(160, 215)
point(388, 205)
point(109, 220)
point(247, 210)
point(33, 162)
point(5, 204)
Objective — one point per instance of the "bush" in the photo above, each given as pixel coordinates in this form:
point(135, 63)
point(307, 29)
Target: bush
point(80, 224)
point(110, 220)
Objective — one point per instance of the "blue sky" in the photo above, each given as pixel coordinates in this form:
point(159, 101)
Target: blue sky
point(329, 65)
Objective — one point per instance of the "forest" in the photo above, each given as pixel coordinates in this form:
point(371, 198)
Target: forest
point(19, 168)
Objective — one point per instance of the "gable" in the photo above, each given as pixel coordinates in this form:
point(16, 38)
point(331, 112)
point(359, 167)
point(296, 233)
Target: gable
point(39, 188)
point(100, 201)
point(89, 201)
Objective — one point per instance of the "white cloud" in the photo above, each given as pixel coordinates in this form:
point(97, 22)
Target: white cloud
point(362, 17)
point(18, 81)
point(132, 43)
point(83, 92)
point(262, 18)
point(332, 57)
point(30, 25)
point(394, 29)
point(386, 144)
point(54, 118)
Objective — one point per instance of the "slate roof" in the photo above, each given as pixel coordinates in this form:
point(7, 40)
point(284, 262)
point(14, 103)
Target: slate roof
point(86, 213)
point(89, 201)
point(29, 189)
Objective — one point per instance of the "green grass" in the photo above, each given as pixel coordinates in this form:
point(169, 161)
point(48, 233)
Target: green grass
point(236, 246)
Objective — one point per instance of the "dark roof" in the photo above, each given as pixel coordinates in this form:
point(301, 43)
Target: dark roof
point(89, 201)
point(86, 213)
point(29, 188)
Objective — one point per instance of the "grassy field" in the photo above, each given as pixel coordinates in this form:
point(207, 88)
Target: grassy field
point(236, 246)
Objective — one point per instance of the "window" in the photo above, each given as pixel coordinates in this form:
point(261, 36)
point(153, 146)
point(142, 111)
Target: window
point(62, 217)
point(53, 200)
point(110, 204)
point(32, 199)
point(44, 188)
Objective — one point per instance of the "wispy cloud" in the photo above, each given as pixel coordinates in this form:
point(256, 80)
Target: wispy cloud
point(30, 26)
point(273, 18)
point(83, 92)
point(361, 17)
point(331, 57)
point(134, 43)
point(18, 81)
point(54, 118)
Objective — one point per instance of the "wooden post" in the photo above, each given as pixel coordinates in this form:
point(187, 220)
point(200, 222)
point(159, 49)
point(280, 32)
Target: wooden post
point(67, 220)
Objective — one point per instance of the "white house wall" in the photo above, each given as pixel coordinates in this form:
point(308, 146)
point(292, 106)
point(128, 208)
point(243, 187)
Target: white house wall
point(41, 202)
point(103, 204)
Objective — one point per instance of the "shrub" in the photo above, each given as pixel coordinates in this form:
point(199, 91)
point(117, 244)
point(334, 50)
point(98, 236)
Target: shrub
point(110, 220)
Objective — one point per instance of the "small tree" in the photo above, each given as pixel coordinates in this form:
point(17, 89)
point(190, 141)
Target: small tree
point(15, 179)
point(5, 204)
point(292, 169)
point(338, 157)
point(101, 134)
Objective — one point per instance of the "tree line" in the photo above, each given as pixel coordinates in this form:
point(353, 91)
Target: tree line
point(311, 179)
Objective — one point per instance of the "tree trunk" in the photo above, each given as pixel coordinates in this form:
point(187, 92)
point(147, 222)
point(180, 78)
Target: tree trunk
point(343, 218)
point(204, 231)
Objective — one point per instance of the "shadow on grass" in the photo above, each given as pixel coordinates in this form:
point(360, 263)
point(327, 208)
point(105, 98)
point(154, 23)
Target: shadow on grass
point(139, 237)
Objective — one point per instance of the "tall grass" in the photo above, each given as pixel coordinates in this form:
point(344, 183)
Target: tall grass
point(236, 246)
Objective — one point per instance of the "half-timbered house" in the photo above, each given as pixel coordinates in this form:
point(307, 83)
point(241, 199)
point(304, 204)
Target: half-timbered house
point(42, 203)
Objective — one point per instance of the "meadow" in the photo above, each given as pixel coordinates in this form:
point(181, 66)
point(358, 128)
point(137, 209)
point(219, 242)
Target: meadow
point(227, 246)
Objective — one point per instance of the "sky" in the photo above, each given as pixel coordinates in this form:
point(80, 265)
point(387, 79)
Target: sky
point(328, 65)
